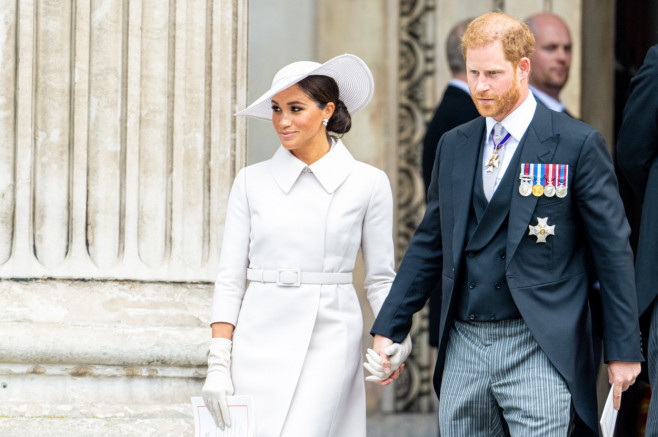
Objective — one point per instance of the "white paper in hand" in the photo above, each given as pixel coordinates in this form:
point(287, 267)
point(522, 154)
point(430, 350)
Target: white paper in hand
point(609, 416)
point(242, 418)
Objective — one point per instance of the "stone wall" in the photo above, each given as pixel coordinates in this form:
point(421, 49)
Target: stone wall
point(118, 151)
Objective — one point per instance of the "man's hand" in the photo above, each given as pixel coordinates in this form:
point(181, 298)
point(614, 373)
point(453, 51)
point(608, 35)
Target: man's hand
point(622, 374)
point(379, 345)
point(379, 361)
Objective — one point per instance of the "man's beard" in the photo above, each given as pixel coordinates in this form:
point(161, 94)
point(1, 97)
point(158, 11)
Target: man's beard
point(501, 104)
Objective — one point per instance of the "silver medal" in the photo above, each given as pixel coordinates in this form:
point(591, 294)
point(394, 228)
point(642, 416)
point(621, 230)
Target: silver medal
point(525, 189)
point(561, 191)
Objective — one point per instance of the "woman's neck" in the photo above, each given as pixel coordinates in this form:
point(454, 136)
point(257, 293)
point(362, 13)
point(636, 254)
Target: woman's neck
point(309, 155)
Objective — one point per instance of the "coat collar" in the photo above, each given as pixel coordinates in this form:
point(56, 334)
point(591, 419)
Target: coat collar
point(330, 170)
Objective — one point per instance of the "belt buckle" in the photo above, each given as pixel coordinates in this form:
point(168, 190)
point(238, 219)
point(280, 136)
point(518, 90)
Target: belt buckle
point(284, 277)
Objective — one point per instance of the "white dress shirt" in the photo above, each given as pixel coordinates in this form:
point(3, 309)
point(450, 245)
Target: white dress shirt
point(516, 124)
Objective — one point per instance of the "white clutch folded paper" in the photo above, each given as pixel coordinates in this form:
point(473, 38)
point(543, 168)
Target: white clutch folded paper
point(242, 418)
point(608, 417)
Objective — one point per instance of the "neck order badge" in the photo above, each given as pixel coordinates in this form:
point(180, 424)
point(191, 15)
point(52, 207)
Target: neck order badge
point(497, 133)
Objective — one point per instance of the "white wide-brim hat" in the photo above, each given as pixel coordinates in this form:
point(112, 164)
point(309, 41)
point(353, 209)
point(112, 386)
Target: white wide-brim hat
point(354, 79)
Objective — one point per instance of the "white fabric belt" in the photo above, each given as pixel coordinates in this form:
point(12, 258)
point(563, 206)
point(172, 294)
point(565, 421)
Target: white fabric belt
point(295, 277)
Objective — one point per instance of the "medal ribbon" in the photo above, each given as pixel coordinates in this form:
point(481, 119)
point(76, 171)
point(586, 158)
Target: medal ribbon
point(502, 142)
point(566, 175)
point(538, 179)
point(549, 179)
point(563, 174)
point(525, 170)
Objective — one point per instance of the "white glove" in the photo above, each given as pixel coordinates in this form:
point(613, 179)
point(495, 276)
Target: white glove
point(218, 381)
point(397, 354)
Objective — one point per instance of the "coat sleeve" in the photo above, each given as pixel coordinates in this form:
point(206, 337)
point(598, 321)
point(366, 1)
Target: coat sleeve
point(234, 259)
point(377, 243)
point(602, 213)
point(419, 271)
point(637, 144)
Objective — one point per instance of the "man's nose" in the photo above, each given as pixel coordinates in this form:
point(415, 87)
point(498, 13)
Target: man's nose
point(562, 54)
point(481, 84)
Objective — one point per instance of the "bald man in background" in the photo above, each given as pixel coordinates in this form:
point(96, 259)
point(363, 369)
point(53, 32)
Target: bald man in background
point(551, 59)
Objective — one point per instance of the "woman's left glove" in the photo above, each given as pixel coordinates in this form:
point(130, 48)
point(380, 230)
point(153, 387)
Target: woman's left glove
point(397, 354)
point(218, 381)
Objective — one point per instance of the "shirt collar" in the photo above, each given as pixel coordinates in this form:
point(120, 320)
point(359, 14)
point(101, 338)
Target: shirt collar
point(330, 170)
point(547, 100)
point(518, 121)
point(459, 84)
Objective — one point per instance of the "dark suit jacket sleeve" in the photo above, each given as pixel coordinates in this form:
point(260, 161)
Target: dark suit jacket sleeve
point(419, 271)
point(637, 144)
point(607, 231)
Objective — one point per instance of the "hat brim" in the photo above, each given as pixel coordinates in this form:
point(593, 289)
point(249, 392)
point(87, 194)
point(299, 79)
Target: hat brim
point(353, 77)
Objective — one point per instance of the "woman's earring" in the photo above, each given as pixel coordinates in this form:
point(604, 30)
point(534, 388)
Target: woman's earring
point(325, 121)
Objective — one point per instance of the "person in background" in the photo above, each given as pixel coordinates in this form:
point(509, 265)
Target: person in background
point(517, 195)
point(294, 226)
point(456, 107)
point(637, 158)
point(551, 59)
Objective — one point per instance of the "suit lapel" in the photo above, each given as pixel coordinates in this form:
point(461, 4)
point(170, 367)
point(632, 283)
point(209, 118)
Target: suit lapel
point(537, 146)
point(467, 156)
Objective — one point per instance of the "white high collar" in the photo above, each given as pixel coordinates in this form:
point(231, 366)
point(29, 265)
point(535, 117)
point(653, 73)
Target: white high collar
point(331, 170)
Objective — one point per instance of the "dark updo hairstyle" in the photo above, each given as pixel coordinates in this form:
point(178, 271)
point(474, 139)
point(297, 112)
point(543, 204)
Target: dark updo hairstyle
point(323, 89)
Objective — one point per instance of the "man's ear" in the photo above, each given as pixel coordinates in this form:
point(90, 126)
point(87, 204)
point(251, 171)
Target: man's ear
point(523, 68)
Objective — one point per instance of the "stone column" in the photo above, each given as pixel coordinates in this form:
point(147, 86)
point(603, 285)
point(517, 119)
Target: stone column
point(118, 151)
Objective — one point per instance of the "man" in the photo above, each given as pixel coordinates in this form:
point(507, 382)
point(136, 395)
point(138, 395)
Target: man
point(456, 108)
point(516, 195)
point(551, 58)
point(637, 152)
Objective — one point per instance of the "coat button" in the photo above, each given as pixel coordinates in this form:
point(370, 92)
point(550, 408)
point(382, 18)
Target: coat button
point(471, 254)
point(472, 317)
point(502, 256)
point(471, 285)
point(497, 286)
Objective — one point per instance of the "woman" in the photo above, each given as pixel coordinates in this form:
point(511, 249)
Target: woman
point(294, 226)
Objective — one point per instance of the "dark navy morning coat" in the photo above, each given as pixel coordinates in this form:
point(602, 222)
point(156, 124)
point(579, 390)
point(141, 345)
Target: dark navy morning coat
point(548, 281)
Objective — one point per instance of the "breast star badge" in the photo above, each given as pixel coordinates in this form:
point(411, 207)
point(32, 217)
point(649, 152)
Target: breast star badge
point(541, 230)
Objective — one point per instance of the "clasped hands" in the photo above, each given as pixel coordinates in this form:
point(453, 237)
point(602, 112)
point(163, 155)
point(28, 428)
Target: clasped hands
point(385, 361)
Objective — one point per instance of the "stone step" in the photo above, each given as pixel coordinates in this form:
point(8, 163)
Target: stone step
point(176, 421)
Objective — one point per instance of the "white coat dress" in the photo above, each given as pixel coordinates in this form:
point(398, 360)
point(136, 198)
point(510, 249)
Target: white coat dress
point(297, 350)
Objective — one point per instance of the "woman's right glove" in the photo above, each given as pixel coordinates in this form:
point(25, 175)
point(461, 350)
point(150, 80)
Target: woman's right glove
point(218, 381)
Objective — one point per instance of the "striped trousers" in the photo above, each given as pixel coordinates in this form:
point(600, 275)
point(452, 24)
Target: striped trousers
point(498, 382)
